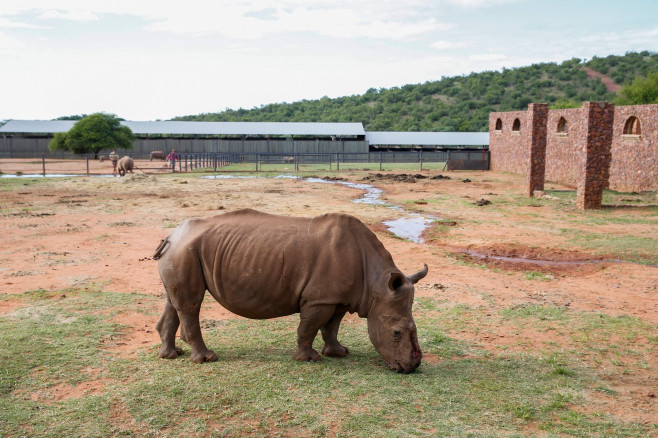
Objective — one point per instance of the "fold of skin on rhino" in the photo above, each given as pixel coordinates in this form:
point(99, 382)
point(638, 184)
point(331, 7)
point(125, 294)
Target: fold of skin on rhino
point(264, 266)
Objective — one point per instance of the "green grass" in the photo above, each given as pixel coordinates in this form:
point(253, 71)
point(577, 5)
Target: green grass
point(632, 248)
point(257, 389)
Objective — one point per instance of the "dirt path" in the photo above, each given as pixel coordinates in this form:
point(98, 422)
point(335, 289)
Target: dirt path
point(610, 85)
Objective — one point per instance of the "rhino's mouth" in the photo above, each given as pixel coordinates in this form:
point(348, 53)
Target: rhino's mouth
point(409, 366)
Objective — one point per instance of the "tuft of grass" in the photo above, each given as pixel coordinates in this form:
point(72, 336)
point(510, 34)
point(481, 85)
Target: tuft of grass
point(540, 276)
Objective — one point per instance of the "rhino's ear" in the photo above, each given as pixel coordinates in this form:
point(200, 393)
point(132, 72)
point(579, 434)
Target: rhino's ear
point(396, 280)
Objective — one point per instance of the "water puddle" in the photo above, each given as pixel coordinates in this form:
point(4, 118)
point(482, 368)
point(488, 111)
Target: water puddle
point(409, 227)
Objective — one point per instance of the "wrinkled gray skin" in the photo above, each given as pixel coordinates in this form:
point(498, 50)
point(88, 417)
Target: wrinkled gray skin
point(263, 266)
point(125, 164)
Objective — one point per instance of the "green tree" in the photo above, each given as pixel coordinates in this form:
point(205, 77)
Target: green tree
point(93, 133)
point(641, 91)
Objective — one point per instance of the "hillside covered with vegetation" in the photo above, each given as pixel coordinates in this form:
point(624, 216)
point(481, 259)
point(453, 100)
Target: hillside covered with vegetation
point(461, 103)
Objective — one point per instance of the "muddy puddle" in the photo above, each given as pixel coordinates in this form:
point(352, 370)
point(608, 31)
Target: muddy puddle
point(409, 227)
point(546, 263)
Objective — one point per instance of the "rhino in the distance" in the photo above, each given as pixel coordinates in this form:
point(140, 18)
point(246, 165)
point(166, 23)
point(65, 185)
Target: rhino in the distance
point(264, 266)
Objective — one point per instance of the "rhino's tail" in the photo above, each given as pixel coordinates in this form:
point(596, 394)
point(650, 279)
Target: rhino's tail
point(160, 248)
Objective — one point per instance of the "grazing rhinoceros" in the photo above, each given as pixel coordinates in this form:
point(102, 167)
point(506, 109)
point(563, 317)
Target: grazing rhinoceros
point(126, 164)
point(261, 266)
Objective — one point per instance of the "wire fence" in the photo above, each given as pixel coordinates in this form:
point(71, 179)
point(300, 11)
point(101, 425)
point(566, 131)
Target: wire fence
point(62, 164)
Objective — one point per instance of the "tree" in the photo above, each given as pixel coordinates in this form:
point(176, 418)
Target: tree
point(641, 91)
point(93, 133)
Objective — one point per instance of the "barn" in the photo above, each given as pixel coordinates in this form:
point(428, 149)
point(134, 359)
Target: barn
point(21, 138)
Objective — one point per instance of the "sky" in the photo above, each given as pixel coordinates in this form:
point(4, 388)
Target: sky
point(158, 59)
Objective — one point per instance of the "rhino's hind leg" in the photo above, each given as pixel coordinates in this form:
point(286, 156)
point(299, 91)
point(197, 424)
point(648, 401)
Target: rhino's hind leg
point(166, 327)
point(191, 333)
point(332, 347)
point(311, 318)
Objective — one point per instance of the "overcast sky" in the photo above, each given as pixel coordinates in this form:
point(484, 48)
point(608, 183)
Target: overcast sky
point(157, 59)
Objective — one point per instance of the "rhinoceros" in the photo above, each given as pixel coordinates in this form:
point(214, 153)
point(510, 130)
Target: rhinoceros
point(126, 164)
point(262, 266)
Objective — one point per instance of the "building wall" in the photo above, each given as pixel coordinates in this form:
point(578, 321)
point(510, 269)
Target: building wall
point(508, 153)
point(19, 146)
point(633, 160)
point(562, 158)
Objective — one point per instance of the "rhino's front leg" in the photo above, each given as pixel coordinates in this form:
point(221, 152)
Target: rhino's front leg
point(166, 326)
point(311, 318)
point(332, 347)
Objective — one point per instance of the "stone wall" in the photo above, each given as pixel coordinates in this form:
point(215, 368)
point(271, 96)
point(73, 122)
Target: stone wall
point(536, 141)
point(594, 154)
point(634, 161)
point(588, 145)
point(508, 153)
point(562, 147)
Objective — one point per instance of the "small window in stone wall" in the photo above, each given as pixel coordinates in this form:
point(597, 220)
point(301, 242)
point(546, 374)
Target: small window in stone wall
point(499, 125)
point(632, 126)
point(516, 126)
point(562, 127)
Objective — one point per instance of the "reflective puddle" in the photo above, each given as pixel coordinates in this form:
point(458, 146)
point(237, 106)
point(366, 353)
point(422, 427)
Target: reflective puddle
point(409, 227)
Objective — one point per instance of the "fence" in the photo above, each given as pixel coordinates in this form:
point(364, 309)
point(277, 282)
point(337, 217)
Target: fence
point(37, 146)
point(98, 165)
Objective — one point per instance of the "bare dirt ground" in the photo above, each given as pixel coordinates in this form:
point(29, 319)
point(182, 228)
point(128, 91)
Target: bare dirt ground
point(79, 232)
point(610, 85)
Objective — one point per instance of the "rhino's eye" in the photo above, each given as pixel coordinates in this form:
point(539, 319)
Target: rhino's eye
point(397, 333)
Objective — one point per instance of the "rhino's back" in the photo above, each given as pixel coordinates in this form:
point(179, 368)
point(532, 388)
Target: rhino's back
point(262, 266)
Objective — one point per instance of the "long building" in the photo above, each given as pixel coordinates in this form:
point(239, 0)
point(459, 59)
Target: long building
point(31, 137)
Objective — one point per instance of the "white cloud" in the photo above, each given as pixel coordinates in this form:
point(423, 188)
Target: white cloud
point(487, 57)
point(72, 15)
point(379, 19)
point(444, 45)
point(11, 24)
point(479, 3)
point(9, 43)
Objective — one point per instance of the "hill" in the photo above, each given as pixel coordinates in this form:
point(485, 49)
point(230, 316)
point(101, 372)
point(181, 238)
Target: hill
point(460, 103)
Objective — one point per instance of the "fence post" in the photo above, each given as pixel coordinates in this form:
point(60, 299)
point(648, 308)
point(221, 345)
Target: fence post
point(43, 162)
point(337, 162)
point(380, 160)
point(296, 163)
point(420, 158)
point(257, 161)
point(87, 156)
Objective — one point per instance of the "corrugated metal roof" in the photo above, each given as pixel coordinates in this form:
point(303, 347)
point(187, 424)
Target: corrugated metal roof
point(37, 126)
point(386, 138)
point(201, 128)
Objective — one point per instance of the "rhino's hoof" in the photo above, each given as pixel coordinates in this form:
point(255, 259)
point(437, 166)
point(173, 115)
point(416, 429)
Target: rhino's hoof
point(207, 356)
point(170, 353)
point(306, 355)
point(335, 351)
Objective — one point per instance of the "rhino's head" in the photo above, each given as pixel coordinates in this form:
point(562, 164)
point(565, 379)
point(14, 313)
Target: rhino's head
point(391, 326)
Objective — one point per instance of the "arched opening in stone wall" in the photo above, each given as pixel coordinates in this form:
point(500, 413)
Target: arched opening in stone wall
point(499, 125)
point(516, 126)
point(632, 126)
point(562, 126)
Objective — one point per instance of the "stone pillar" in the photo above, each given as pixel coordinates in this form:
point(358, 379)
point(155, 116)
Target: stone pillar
point(594, 154)
point(535, 144)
